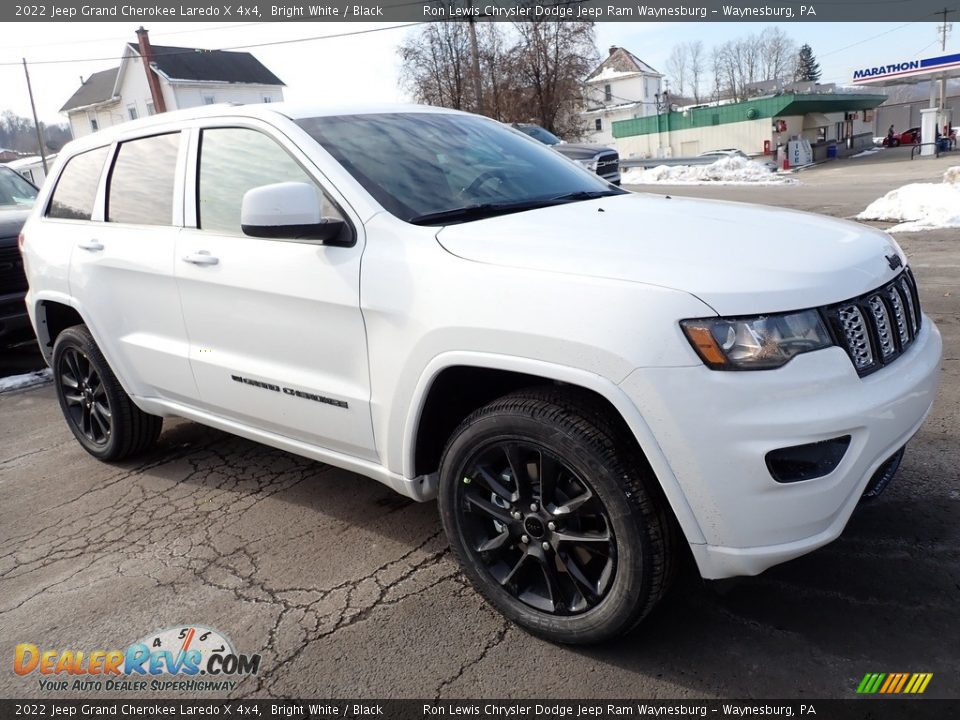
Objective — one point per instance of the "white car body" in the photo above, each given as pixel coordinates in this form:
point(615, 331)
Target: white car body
point(588, 293)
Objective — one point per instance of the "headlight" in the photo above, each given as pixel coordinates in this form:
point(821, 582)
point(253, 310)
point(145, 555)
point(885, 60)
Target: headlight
point(758, 343)
point(590, 165)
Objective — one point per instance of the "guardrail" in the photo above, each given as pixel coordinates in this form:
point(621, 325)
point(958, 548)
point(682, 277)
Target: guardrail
point(937, 148)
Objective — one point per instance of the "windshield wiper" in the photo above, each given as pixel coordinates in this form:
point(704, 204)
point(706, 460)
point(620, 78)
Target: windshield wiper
point(485, 210)
point(587, 194)
point(480, 211)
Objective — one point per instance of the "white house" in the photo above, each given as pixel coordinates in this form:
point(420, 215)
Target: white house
point(622, 87)
point(156, 78)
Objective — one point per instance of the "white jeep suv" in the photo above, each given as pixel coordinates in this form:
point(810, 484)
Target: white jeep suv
point(587, 378)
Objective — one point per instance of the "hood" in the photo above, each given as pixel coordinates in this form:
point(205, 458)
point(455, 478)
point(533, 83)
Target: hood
point(10, 223)
point(740, 259)
point(581, 151)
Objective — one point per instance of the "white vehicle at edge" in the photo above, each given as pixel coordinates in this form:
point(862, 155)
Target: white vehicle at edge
point(585, 377)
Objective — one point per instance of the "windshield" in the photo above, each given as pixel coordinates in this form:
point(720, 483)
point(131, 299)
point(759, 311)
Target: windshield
point(538, 133)
point(426, 168)
point(15, 191)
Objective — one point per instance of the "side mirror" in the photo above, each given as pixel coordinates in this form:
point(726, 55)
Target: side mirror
point(288, 211)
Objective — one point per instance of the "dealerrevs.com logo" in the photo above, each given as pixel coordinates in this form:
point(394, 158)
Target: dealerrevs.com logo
point(188, 658)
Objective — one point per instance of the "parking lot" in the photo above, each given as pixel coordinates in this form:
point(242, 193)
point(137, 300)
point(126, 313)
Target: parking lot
point(347, 589)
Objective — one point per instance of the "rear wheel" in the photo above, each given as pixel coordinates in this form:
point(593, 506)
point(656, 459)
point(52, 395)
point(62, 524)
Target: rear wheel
point(100, 414)
point(555, 517)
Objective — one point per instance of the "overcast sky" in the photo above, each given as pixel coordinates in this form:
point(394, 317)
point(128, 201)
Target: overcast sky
point(365, 67)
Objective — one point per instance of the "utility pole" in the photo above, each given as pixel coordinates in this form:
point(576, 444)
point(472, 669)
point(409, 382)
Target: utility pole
point(36, 123)
point(944, 28)
point(475, 52)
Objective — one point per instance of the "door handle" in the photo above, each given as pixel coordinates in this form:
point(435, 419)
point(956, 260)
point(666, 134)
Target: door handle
point(91, 245)
point(203, 257)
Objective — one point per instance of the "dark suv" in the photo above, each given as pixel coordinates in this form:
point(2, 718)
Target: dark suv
point(603, 160)
point(16, 198)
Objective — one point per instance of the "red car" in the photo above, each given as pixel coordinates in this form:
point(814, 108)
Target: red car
point(907, 137)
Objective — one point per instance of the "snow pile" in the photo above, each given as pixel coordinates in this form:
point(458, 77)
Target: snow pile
point(18, 382)
point(866, 153)
point(920, 206)
point(726, 171)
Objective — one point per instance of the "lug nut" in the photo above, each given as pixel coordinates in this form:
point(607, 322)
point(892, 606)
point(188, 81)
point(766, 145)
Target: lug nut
point(515, 515)
point(551, 526)
point(533, 507)
point(545, 546)
point(524, 539)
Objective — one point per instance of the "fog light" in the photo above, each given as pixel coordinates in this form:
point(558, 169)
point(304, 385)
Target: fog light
point(806, 462)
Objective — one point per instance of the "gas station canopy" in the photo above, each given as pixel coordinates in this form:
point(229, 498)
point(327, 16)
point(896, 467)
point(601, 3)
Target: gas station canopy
point(942, 67)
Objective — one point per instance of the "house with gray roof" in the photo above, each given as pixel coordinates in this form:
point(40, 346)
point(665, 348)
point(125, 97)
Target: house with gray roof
point(621, 87)
point(156, 78)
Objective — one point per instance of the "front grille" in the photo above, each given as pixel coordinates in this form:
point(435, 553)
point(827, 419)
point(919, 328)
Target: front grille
point(876, 328)
point(12, 278)
point(608, 164)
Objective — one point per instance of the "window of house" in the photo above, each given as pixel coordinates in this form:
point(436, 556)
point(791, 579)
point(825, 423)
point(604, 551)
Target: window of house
point(267, 98)
point(94, 125)
point(821, 134)
point(646, 87)
point(209, 99)
point(142, 179)
point(150, 110)
point(76, 189)
point(234, 160)
point(598, 124)
point(132, 111)
point(607, 93)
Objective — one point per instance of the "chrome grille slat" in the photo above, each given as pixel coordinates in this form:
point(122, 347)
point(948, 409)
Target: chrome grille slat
point(883, 329)
point(899, 315)
point(855, 334)
point(908, 294)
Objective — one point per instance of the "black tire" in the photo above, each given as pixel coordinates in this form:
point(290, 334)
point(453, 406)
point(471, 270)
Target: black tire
point(624, 519)
point(100, 414)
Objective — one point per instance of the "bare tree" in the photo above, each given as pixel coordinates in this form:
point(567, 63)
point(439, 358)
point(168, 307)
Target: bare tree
point(779, 54)
point(697, 61)
point(436, 65)
point(530, 72)
point(678, 65)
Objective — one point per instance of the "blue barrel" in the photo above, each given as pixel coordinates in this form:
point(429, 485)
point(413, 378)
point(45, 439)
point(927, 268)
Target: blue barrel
point(831, 152)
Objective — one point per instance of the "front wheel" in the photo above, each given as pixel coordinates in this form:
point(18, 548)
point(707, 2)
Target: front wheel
point(101, 415)
point(555, 517)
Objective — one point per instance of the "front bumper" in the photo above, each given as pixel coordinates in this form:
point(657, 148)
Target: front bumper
point(14, 321)
point(715, 429)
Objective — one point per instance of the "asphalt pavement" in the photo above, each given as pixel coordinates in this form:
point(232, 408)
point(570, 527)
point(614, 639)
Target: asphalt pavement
point(347, 589)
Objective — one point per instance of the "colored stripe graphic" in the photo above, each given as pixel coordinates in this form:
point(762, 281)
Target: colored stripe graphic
point(894, 683)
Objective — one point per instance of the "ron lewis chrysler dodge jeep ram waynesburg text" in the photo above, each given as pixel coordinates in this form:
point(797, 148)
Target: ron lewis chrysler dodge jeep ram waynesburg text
point(585, 377)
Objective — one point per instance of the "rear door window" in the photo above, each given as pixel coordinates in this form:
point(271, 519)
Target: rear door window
point(142, 181)
point(76, 190)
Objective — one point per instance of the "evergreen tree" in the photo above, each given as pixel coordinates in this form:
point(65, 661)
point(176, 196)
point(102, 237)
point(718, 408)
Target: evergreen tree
point(808, 69)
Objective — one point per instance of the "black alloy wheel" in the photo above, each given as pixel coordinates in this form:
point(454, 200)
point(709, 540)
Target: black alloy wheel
point(539, 530)
point(87, 405)
point(98, 411)
point(555, 516)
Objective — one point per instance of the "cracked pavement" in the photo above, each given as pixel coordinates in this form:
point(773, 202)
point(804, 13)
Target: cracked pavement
point(347, 589)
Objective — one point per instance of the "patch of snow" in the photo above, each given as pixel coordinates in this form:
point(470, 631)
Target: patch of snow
point(920, 206)
point(18, 382)
point(952, 175)
point(866, 153)
point(609, 73)
point(726, 171)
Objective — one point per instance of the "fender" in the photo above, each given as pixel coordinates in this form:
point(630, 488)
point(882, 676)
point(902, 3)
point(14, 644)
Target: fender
point(572, 376)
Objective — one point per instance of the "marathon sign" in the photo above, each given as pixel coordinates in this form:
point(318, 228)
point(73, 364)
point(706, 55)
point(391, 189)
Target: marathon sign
point(932, 66)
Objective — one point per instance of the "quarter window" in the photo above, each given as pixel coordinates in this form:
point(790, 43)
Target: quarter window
point(142, 179)
point(76, 189)
point(234, 160)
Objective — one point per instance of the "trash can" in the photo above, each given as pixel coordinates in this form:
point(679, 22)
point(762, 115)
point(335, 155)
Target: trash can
point(831, 152)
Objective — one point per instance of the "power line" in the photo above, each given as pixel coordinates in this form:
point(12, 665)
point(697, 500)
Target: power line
point(234, 47)
point(87, 41)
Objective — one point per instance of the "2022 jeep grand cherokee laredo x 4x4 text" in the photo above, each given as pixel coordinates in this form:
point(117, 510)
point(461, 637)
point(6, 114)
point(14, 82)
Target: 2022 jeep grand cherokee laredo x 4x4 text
point(585, 377)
